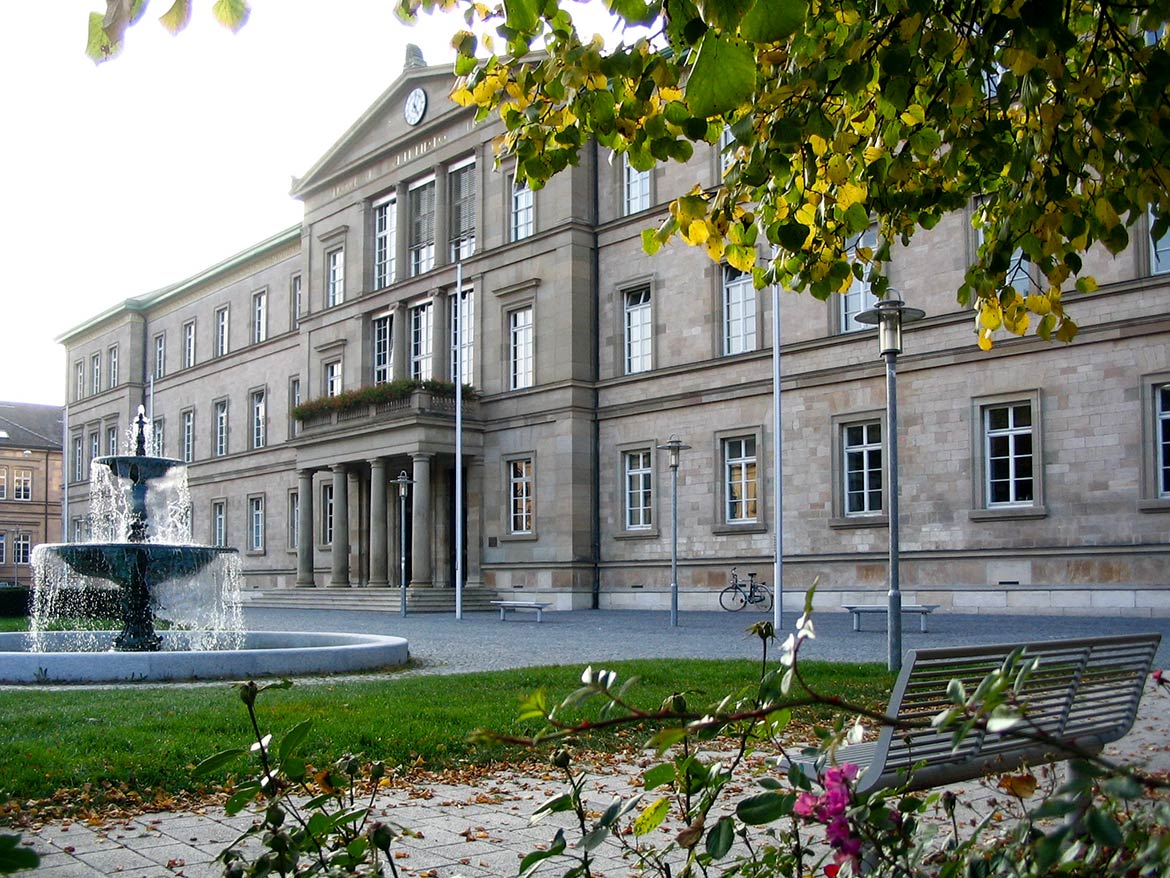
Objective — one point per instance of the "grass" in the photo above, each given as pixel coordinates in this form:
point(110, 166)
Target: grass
point(53, 741)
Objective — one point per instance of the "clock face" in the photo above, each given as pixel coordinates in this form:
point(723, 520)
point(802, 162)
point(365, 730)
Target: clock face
point(416, 105)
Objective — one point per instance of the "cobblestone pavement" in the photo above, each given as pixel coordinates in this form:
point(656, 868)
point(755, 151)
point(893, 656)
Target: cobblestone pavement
point(484, 829)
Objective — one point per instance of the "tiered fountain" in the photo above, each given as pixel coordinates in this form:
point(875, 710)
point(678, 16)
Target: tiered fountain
point(141, 556)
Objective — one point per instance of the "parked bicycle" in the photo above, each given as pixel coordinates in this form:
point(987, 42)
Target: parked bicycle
point(736, 596)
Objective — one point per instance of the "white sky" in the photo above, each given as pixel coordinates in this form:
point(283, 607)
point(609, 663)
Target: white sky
point(128, 176)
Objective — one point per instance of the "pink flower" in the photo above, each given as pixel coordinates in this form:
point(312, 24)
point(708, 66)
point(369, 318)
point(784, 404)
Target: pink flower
point(806, 804)
point(1159, 679)
point(837, 833)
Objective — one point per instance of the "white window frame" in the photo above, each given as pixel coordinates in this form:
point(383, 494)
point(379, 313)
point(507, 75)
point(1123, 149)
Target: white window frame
point(160, 355)
point(382, 347)
point(858, 458)
point(294, 400)
point(463, 322)
point(4, 546)
point(385, 241)
point(95, 445)
point(79, 380)
point(256, 523)
point(859, 297)
point(221, 428)
point(638, 334)
point(334, 380)
point(294, 520)
point(3, 483)
point(295, 284)
point(78, 458)
point(422, 326)
point(421, 240)
point(521, 348)
point(113, 365)
point(635, 188)
point(112, 440)
point(22, 484)
point(461, 240)
point(158, 437)
point(726, 149)
point(739, 311)
point(21, 549)
point(334, 277)
point(1013, 434)
point(95, 378)
point(188, 344)
point(522, 213)
point(521, 513)
point(259, 400)
point(259, 316)
point(1162, 440)
point(222, 331)
point(638, 488)
point(741, 480)
point(219, 522)
point(327, 514)
point(188, 417)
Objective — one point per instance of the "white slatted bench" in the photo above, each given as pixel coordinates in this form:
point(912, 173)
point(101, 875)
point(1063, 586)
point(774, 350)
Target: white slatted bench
point(923, 610)
point(1084, 693)
point(539, 606)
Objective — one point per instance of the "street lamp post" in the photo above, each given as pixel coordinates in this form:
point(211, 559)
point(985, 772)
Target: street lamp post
point(673, 446)
point(889, 315)
point(402, 482)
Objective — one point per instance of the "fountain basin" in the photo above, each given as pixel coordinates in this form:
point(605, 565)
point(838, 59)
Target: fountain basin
point(265, 653)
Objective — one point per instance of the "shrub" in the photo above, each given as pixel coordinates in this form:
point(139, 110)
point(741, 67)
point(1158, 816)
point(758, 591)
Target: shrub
point(378, 393)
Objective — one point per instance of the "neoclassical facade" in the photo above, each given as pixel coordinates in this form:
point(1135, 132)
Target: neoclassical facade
point(1035, 477)
point(30, 485)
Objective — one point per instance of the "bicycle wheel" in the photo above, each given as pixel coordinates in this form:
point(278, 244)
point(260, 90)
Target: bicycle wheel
point(732, 598)
point(763, 597)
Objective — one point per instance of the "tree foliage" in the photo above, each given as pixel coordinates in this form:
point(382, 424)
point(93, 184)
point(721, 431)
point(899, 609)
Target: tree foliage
point(1051, 119)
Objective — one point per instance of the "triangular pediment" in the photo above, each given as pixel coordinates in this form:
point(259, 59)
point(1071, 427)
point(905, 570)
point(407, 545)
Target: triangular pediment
point(388, 126)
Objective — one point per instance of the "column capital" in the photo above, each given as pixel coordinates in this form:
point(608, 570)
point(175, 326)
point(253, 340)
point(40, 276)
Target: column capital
point(422, 455)
point(377, 461)
point(339, 467)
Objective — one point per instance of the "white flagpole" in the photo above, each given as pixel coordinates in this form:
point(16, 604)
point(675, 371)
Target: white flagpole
point(458, 379)
point(777, 467)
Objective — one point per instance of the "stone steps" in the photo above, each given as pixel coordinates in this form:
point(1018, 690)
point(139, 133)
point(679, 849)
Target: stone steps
point(381, 600)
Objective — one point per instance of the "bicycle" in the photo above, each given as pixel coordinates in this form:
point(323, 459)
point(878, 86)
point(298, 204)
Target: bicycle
point(736, 597)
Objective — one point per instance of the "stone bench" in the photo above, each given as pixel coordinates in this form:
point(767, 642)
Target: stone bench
point(538, 606)
point(923, 610)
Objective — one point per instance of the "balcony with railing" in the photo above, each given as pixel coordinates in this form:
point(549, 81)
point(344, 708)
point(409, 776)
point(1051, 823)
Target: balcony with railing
point(369, 407)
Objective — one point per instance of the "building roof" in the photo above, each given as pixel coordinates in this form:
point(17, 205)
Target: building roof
point(25, 425)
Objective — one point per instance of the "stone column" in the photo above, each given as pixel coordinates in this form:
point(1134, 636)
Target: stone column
point(340, 575)
point(422, 542)
point(442, 219)
point(440, 337)
point(359, 529)
point(443, 528)
point(305, 529)
point(400, 349)
point(402, 243)
point(378, 540)
point(474, 529)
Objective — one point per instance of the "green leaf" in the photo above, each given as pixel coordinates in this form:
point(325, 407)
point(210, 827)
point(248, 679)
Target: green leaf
point(634, 11)
point(177, 17)
point(242, 797)
point(666, 738)
point(764, 808)
point(652, 816)
point(521, 15)
point(1123, 787)
point(535, 706)
point(214, 763)
point(15, 856)
point(232, 14)
point(99, 47)
point(724, 76)
point(293, 739)
point(555, 849)
point(1103, 828)
point(720, 838)
point(658, 776)
point(770, 21)
point(563, 802)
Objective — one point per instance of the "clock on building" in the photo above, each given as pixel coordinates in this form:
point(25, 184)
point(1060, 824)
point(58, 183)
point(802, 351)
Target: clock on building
point(416, 105)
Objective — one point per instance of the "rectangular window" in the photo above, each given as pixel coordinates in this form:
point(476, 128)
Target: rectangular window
point(3, 547)
point(638, 330)
point(157, 438)
point(221, 331)
point(635, 187)
point(295, 297)
point(739, 311)
point(522, 216)
point(21, 548)
point(463, 322)
point(382, 329)
point(22, 484)
point(335, 278)
point(255, 524)
point(95, 368)
point(259, 316)
point(421, 330)
point(188, 436)
point(385, 237)
point(79, 379)
point(327, 514)
point(221, 428)
point(739, 478)
point(861, 446)
point(78, 459)
point(219, 523)
point(113, 370)
point(726, 149)
point(520, 348)
point(95, 446)
point(333, 378)
point(160, 355)
point(461, 210)
point(3, 483)
point(639, 475)
point(859, 297)
point(1020, 272)
point(189, 344)
point(422, 226)
point(259, 420)
point(77, 528)
point(520, 492)
point(112, 440)
point(294, 400)
point(1008, 454)
point(294, 519)
point(1163, 432)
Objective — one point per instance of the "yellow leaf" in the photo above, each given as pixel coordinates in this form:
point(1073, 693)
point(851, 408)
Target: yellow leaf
point(849, 195)
point(652, 816)
point(984, 340)
point(914, 115)
point(741, 256)
point(1106, 214)
point(696, 233)
point(1039, 304)
point(462, 97)
point(1019, 785)
point(873, 153)
point(819, 145)
point(989, 317)
point(838, 170)
point(715, 248)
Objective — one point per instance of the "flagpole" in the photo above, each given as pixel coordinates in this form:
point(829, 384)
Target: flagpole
point(458, 378)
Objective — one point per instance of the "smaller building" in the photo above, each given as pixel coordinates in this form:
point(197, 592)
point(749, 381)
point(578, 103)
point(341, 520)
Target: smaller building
point(31, 485)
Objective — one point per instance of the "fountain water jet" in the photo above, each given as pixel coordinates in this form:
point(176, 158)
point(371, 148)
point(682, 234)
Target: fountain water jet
point(142, 554)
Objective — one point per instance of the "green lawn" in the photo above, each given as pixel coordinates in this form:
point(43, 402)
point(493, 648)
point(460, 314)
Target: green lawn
point(149, 738)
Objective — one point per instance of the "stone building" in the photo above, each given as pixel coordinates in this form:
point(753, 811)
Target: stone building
point(30, 485)
point(1034, 477)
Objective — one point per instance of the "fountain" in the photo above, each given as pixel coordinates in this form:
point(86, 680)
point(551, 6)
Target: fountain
point(141, 559)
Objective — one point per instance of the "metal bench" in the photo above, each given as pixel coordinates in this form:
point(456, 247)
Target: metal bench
point(539, 606)
point(1084, 693)
point(923, 610)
